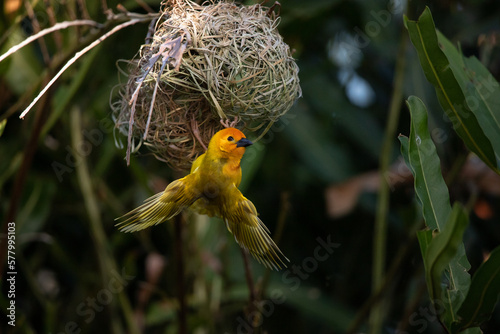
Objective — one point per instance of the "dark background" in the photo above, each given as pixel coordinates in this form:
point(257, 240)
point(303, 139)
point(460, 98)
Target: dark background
point(313, 178)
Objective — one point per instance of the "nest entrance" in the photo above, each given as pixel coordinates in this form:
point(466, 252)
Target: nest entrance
point(204, 64)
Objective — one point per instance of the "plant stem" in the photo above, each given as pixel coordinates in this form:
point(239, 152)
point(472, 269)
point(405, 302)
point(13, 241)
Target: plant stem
point(380, 230)
point(181, 289)
point(248, 276)
point(252, 294)
point(106, 261)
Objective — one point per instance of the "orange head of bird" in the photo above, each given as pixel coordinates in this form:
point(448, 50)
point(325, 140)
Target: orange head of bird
point(229, 142)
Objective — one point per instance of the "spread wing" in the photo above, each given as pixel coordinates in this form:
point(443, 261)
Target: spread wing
point(250, 232)
point(160, 207)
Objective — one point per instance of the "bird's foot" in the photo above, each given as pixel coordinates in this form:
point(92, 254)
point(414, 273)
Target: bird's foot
point(227, 124)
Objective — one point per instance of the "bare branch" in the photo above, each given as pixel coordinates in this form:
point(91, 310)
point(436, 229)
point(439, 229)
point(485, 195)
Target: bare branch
point(58, 26)
point(76, 57)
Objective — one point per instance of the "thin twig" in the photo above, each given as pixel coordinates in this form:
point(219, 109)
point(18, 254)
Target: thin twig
point(196, 132)
point(83, 9)
point(26, 96)
point(104, 6)
point(165, 61)
point(251, 289)
point(181, 289)
point(36, 27)
point(145, 6)
point(133, 102)
point(248, 275)
point(58, 26)
point(78, 55)
point(52, 21)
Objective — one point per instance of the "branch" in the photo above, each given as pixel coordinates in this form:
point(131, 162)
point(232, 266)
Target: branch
point(248, 275)
point(252, 293)
point(58, 26)
point(81, 53)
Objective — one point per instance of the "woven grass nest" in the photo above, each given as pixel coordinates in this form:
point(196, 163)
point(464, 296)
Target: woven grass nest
point(204, 64)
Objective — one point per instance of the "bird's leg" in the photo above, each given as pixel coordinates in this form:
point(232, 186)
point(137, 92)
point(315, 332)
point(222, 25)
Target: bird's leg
point(227, 124)
point(234, 122)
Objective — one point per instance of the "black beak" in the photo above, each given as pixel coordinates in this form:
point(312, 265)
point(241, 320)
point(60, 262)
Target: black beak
point(243, 142)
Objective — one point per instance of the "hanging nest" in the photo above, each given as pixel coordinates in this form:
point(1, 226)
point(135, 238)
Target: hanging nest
point(204, 64)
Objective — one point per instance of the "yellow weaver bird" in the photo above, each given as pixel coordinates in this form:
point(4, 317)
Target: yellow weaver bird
point(212, 189)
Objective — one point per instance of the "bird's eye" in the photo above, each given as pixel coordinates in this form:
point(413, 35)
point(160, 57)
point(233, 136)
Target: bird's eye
point(230, 138)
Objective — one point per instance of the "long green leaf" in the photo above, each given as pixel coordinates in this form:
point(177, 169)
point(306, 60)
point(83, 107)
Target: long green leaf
point(424, 240)
point(439, 73)
point(420, 155)
point(483, 294)
point(481, 90)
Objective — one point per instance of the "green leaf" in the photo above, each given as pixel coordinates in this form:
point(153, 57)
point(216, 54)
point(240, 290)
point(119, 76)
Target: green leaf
point(424, 239)
point(481, 90)
point(483, 294)
point(440, 255)
point(438, 72)
point(420, 155)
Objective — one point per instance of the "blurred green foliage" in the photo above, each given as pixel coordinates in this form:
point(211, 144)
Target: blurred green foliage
point(77, 274)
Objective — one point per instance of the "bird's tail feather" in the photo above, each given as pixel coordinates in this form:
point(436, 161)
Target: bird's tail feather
point(251, 233)
point(258, 242)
